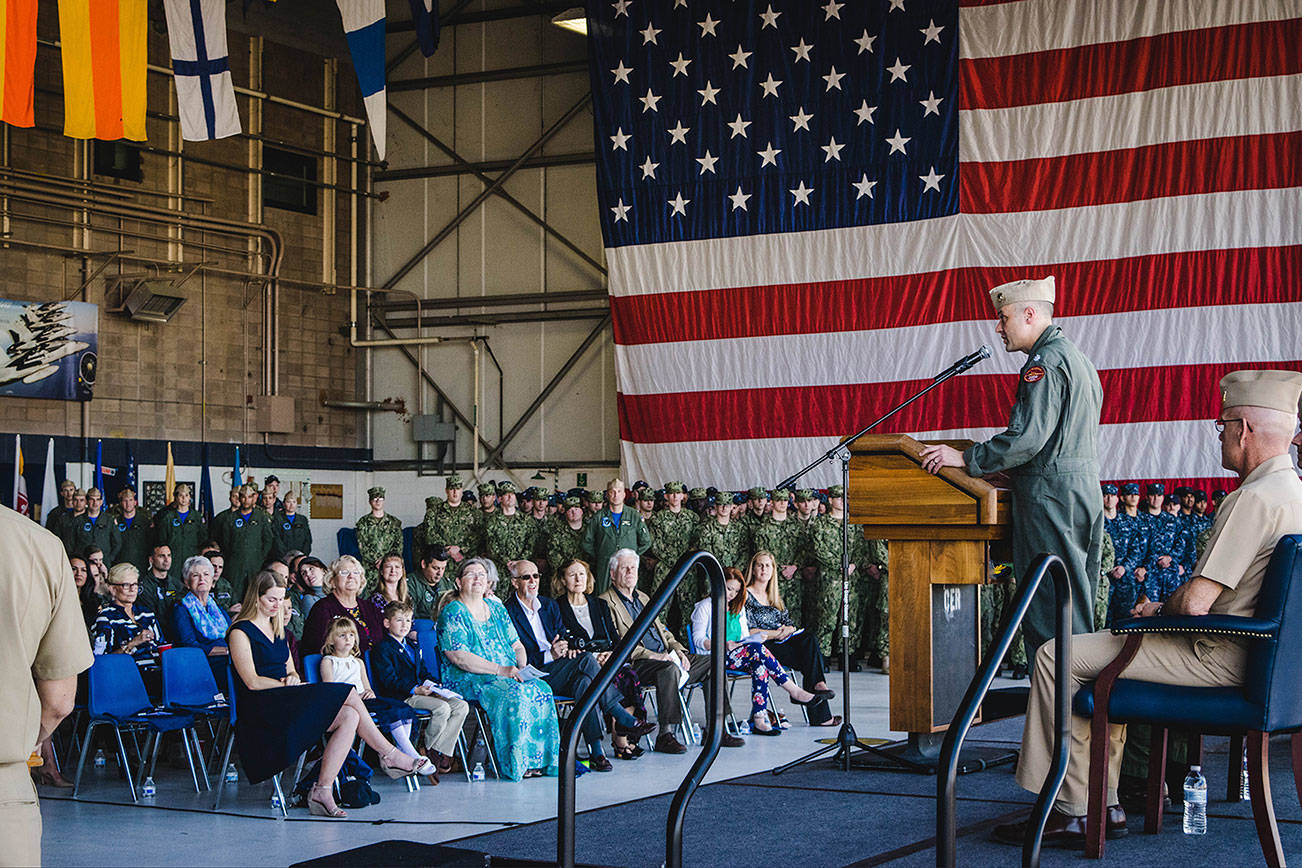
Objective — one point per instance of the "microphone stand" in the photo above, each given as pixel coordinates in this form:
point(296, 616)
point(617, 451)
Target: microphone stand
point(846, 740)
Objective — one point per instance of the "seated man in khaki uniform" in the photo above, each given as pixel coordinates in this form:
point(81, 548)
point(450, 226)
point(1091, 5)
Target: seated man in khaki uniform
point(43, 645)
point(1256, 424)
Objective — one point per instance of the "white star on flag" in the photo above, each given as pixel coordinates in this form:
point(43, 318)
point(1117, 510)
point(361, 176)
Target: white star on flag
point(833, 79)
point(707, 26)
point(621, 73)
point(770, 85)
point(896, 4)
point(738, 127)
point(931, 180)
point(931, 105)
point(864, 186)
point(738, 199)
point(619, 141)
point(770, 18)
point(801, 194)
point(801, 50)
point(769, 156)
point(621, 211)
point(897, 71)
point(678, 205)
point(678, 134)
point(865, 42)
point(649, 35)
point(649, 169)
point(832, 10)
point(897, 144)
point(800, 120)
point(832, 149)
point(864, 113)
point(649, 101)
point(738, 58)
point(680, 65)
point(931, 33)
point(621, 7)
point(707, 162)
point(708, 94)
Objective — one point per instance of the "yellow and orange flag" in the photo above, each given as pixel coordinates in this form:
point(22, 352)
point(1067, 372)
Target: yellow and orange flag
point(104, 68)
point(17, 61)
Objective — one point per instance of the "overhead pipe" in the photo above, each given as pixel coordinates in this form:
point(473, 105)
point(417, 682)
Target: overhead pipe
point(395, 405)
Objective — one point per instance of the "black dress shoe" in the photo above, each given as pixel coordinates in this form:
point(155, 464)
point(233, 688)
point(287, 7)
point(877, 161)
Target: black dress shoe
point(730, 740)
point(1063, 830)
point(600, 764)
point(633, 733)
point(666, 743)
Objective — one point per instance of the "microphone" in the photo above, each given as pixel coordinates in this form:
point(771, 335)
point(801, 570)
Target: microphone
point(964, 363)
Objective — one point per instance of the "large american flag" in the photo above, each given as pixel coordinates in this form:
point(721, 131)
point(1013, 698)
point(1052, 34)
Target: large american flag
point(804, 204)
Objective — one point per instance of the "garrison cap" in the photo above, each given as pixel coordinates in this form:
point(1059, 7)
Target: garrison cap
point(377, 491)
point(836, 491)
point(506, 486)
point(1023, 290)
point(454, 481)
point(697, 493)
point(756, 493)
point(1109, 488)
point(1130, 488)
point(1274, 390)
point(674, 488)
point(1155, 488)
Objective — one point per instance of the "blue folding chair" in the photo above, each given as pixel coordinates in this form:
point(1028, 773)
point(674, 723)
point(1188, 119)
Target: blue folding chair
point(230, 742)
point(421, 715)
point(422, 625)
point(189, 687)
point(428, 643)
point(116, 697)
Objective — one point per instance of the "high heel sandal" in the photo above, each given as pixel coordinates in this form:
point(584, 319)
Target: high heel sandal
point(318, 808)
point(398, 772)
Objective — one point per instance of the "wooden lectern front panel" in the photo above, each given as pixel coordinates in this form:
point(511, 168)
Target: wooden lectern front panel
point(890, 489)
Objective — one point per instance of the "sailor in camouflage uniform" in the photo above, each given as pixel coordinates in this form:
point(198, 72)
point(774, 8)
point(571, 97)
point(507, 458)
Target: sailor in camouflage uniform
point(487, 498)
point(377, 535)
point(757, 500)
point(722, 537)
point(783, 536)
point(455, 524)
point(1166, 544)
point(671, 532)
point(563, 539)
point(509, 536)
point(825, 544)
point(418, 540)
point(1129, 533)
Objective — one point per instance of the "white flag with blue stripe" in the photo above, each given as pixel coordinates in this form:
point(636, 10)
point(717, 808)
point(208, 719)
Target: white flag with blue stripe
point(205, 94)
point(364, 27)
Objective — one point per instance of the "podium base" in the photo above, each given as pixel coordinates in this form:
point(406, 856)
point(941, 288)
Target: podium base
point(920, 754)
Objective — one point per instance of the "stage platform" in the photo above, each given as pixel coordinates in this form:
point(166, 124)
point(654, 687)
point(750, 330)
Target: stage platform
point(744, 816)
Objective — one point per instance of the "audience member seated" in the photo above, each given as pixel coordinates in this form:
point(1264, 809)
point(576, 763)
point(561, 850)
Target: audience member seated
point(796, 649)
point(343, 584)
point(588, 627)
point(198, 620)
point(90, 601)
point(426, 585)
point(340, 662)
point(659, 658)
point(94, 556)
point(400, 674)
point(392, 587)
point(485, 658)
point(305, 591)
point(221, 588)
point(569, 671)
point(120, 627)
point(280, 717)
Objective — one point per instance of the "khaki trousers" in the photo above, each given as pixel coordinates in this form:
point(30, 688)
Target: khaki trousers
point(20, 817)
point(446, 719)
point(1166, 659)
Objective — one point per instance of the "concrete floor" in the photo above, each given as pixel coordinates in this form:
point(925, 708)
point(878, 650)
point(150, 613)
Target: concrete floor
point(175, 827)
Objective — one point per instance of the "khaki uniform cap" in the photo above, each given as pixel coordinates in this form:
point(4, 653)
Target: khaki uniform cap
point(1274, 390)
point(1023, 290)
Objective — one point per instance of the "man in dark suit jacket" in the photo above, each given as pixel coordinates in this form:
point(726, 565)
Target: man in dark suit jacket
point(569, 672)
point(398, 672)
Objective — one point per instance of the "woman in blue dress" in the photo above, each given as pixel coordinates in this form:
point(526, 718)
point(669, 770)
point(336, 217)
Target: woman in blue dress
point(278, 716)
point(485, 657)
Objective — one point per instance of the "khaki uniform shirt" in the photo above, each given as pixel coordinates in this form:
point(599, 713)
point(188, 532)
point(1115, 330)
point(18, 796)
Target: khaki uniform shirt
point(42, 634)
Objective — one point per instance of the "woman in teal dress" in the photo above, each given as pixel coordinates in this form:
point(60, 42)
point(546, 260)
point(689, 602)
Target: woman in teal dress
point(485, 656)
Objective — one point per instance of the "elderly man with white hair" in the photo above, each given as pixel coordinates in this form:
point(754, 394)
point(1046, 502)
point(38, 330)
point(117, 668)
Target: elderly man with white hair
point(1256, 425)
point(659, 658)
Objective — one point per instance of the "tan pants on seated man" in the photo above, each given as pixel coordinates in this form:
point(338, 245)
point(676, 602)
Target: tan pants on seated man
point(1166, 659)
point(20, 817)
point(447, 716)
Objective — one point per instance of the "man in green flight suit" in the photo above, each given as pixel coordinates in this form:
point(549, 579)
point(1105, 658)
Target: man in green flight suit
point(245, 537)
point(134, 533)
point(182, 529)
point(377, 535)
point(1049, 451)
point(615, 526)
point(290, 529)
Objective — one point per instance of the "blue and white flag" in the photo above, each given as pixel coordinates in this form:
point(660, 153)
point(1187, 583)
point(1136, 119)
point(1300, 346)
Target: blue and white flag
point(205, 94)
point(364, 27)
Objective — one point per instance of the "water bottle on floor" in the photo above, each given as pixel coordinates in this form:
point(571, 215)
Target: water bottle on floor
point(147, 789)
point(478, 773)
point(100, 761)
point(232, 776)
point(275, 801)
point(1243, 778)
point(1195, 802)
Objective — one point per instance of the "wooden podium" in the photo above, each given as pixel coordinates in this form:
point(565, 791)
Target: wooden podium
point(940, 529)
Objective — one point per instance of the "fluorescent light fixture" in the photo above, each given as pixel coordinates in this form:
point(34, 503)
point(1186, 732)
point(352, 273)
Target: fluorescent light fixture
point(573, 19)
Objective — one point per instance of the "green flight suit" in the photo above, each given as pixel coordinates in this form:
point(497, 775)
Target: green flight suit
point(604, 536)
point(100, 531)
point(291, 533)
point(182, 534)
point(1050, 453)
point(246, 542)
point(135, 539)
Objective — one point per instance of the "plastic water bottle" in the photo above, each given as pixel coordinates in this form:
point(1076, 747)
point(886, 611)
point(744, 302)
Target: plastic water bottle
point(100, 761)
point(147, 789)
point(232, 776)
point(1244, 793)
point(1195, 802)
point(275, 801)
point(478, 773)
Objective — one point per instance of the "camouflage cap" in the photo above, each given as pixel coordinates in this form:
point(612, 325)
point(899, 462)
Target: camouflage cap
point(804, 494)
point(596, 497)
point(674, 488)
point(571, 502)
point(376, 491)
point(1109, 488)
point(756, 493)
point(487, 488)
point(432, 501)
point(781, 494)
point(835, 491)
point(698, 493)
point(721, 497)
point(454, 481)
point(1130, 488)
point(647, 494)
point(506, 486)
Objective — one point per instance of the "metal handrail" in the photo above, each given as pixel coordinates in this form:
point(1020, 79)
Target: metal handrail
point(714, 707)
point(947, 772)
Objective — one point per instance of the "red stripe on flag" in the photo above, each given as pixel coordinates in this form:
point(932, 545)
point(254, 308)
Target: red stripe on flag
point(1187, 57)
point(1259, 275)
point(1157, 394)
point(1261, 162)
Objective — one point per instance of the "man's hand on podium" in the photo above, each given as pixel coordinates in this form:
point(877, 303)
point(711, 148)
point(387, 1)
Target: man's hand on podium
point(940, 455)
